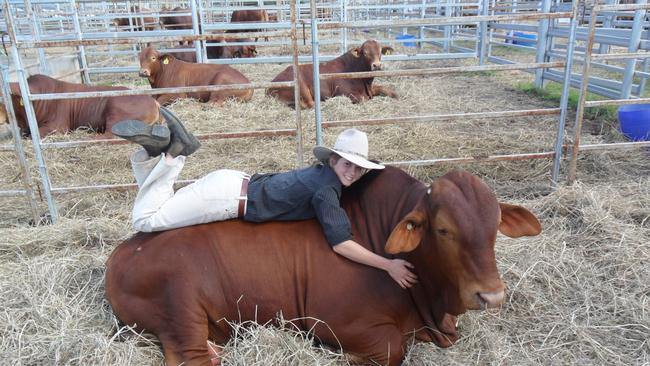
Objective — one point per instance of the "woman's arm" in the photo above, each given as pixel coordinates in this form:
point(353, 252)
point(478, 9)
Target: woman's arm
point(398, 269)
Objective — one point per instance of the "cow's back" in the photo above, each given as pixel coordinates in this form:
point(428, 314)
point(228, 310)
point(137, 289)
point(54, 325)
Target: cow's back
point(243, 271)
point(97, 113)
point(179, 73)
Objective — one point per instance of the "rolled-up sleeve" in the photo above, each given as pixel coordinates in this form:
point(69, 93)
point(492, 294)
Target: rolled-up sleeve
point(332, 217)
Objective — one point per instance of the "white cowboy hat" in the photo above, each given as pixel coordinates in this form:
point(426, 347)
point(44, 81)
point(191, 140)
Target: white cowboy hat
point(352, 145)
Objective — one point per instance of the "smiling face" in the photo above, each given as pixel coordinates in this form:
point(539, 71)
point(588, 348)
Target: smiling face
point(346, 171)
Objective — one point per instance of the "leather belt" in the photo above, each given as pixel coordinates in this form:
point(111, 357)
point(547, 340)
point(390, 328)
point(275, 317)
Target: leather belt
point(241, 210)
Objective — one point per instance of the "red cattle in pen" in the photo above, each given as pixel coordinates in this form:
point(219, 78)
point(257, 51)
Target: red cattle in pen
point(185, 285)
point(169, 19)
point(166, 71)
point(63, 115)
point(360, 59)
point(219, 48)
point(245, 16)
point(138, 21)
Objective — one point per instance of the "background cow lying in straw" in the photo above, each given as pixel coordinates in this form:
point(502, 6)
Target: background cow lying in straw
point(165, 71)
point(168, 19)
point(364, 58)
point(63, 115)
point(136, 22)
point(184, 285)
point(244, 16)
point(219, 48)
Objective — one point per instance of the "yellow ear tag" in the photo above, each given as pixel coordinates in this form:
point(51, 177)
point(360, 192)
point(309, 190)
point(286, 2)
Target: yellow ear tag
point(21, 102)
point(166, 61)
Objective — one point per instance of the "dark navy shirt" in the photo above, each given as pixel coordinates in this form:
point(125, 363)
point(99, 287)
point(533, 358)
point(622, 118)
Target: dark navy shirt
point(299, 195)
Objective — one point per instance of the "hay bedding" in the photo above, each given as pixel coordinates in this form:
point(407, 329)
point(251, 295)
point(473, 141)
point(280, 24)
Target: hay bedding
point(577, 294)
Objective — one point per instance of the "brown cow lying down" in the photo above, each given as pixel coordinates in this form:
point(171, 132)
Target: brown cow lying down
point(136, 21)
point(168, 21)
point(364, 58)
point(244, 16)
point(63, 115)
point(184, 285)
point(165, 71)
point(214, 51)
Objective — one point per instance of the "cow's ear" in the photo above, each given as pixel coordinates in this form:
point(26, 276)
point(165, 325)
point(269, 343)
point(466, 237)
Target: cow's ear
point(387, 50)
point(407, 234)
point(517, 221)
point(356, 52)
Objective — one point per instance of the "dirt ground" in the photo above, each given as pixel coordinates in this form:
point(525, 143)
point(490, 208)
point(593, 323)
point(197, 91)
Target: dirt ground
point(576, 294)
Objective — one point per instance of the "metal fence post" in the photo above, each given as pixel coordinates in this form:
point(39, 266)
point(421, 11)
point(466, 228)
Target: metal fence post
point(18, 143)
point(633, 46)
point(31, 117)
point(564, 100)
point(315, 58)
point(542, 40)
point(577, 127)
point(296, 86)
point(82, 50)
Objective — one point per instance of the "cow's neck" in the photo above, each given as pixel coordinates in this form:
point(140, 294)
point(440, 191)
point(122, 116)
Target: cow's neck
point(165, 72)
point(378, 202)
point(355, 64)
point(376, 205)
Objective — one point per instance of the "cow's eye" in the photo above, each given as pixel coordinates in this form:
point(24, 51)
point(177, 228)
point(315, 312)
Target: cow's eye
point(443, 232)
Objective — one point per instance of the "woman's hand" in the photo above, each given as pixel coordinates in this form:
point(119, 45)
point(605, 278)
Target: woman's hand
point(398, 269)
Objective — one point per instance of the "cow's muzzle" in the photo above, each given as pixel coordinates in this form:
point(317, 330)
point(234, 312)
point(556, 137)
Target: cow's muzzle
point(376, 66)
point(144, 73)
point(491, 299)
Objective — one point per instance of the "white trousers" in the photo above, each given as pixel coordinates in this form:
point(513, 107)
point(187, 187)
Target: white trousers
point(215, 197)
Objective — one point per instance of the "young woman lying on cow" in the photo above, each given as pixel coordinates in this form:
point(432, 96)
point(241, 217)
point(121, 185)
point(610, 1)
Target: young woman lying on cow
point(312, 192)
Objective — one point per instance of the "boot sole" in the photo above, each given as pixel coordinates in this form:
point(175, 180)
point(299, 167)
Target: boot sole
point(138, 129)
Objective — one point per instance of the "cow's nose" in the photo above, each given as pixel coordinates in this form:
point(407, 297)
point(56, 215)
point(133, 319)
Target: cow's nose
point(144, 73)
point(492, 299)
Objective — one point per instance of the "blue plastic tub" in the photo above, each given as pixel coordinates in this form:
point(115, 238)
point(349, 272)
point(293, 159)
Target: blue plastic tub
point(403, 40)
point(635, 121)
point(526, 36)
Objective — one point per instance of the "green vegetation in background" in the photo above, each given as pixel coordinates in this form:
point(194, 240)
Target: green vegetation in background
point(553, 92)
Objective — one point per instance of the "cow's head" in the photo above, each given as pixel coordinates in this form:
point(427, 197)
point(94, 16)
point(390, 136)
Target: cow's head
point(151, 62)
point(238, 51)
point(452, 233)
point(19, 109)
point(370, 53)
point(249, 51)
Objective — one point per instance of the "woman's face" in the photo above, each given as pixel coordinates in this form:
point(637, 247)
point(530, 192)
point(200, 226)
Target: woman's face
point(347, 172)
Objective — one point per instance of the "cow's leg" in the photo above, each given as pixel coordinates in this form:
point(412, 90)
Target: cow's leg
point(188, 350)
point(167, 99)
point(49, 128)
point(217, 99)
point(214, 351)
point(184, 330)
point(386, 346)
point(384, 91)
point(306, 95)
